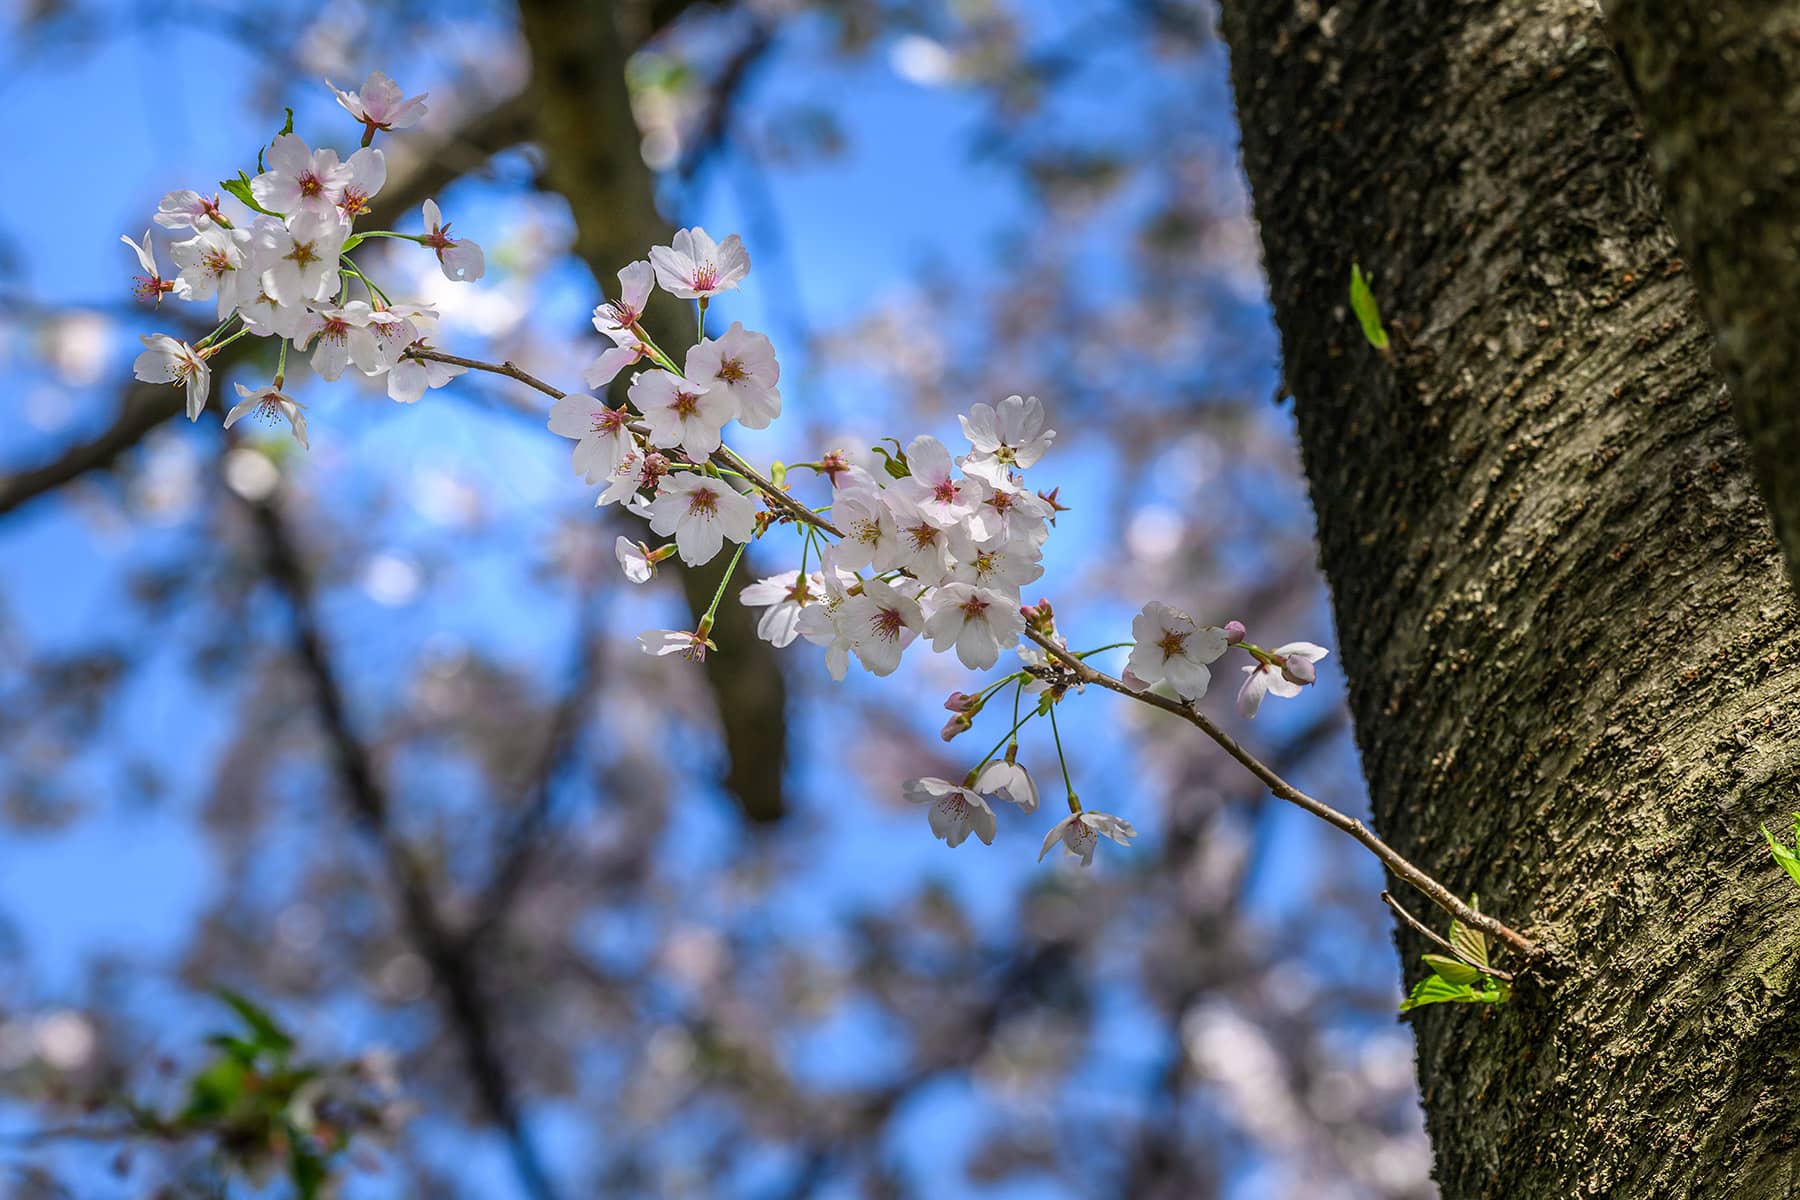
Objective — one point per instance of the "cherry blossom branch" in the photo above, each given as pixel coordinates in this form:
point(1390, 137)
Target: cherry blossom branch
point(724, 456)
point(1440, 895)
point(1395, 862)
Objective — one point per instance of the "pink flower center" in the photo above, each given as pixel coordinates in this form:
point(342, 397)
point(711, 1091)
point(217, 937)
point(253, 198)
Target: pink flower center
point(686, 404)
point(355, 202)
point(944, 491)
point(922, 536)
point(706, 277)
point(1172, 643)
point(887, 623)
point(336, 328)
point(311, 184)
point(218, 262)
point(732, 371)
point(973, 607)
point(867, 531)
point(704, 502)
point(609, 420)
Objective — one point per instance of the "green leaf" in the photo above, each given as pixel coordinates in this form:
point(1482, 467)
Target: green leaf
point(1789, 860)
point(1362, 303)
point(1471, 942)
point(308, 1170)
point(1435, 989)
point(240, 187)
point(1454, 970)
point(268, 1034)
point(216, 1090)
point(895, 463)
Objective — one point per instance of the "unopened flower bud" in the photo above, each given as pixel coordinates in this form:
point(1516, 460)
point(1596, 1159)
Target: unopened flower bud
point(1297, 670)
point(1234, 632)
point(1040, 617)
point(962, 702)
point(960, 723)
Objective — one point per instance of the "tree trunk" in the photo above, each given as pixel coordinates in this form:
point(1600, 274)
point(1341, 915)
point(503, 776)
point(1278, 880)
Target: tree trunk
point(1562, 614)
point(1718, 87)
point(590, 141)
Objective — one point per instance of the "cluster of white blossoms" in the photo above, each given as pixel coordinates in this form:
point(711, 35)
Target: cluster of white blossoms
point(274, 258)
point(922, 545)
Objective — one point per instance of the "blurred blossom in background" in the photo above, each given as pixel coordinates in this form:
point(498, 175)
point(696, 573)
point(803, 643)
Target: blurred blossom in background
point(590, 923)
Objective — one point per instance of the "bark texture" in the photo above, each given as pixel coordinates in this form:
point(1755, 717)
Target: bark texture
point(1717, 85)
point(1570, 644)
point(589, 137)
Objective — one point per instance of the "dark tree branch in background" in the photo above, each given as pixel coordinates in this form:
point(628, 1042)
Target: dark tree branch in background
point(1717, 87)
point(450, 960)
point(591, 145)
point(524, 839)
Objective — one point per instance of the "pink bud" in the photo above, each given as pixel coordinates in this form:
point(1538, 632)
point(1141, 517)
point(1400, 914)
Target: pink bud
point(962, 702)
point(960, 723)
point(1297, 670)
point(1234, 632)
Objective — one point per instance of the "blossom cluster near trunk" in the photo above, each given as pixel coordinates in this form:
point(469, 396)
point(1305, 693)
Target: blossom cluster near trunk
point(928, 544)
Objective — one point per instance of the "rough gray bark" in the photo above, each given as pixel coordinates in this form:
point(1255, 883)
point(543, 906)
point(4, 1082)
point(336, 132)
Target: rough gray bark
point(1563, 617)
point(589, 137)
point(1717, 85)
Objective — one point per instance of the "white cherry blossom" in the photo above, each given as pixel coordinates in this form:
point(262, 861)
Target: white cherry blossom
point(684, 642)
point(870, 534)
point(695, 267)
point(681, 412)
point(1010, 435)
point(1080, 832)
point(702, 512)
point(300, 180)
point(1003, 567)
point(299, 260)
point(740, 364)
point(151, 285)
point(880, 622)
point(343, 337)
point(823, 623)
point(782, 598)
point(166, 360)
point(635, 559)
point(271, 405)
point(380, 103)
point(460, 259)
point(1291, 670)
point(922, 547)
point(368, 172)
point(216, 263)
point(409, 378)
point(1006, 780)
point(188, 209)
point(602, 435)
point(933, 486)
point(1170, 646)
point(977, 621)
point(956, 811)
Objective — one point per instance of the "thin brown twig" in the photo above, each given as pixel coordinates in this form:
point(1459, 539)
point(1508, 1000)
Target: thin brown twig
point(1440, 895)
point(724, 456)
point(1426, 931)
